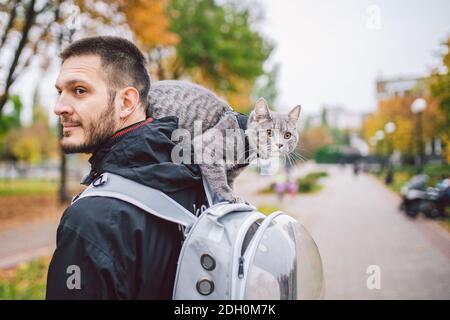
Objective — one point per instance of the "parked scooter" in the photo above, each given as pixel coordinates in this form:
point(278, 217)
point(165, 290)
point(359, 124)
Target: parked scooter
point(418, 198)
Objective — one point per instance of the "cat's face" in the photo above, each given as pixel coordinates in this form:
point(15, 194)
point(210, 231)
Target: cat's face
point(272, 134)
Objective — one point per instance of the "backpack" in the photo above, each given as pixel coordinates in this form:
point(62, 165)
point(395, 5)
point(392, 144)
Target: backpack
point(231, 250)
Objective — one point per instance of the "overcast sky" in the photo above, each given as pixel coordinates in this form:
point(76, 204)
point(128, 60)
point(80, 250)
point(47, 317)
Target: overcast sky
point(332, 51)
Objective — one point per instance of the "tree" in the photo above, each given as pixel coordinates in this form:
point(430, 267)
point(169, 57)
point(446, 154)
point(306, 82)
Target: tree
point(215, 45)
point(7, 123)
point(24, 18)
point(398, 110)
point(34, 143)
point(313, 139)
point(440, 89)
point(33, 27)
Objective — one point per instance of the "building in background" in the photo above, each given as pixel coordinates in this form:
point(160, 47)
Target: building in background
point(336, 117)
point(399, 87)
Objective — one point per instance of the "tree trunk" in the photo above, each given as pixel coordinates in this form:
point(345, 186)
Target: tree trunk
point(29, 21)
point(9, 26)
point(63, 196)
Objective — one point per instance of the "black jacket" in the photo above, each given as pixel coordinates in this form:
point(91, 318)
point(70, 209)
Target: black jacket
point(122, 252)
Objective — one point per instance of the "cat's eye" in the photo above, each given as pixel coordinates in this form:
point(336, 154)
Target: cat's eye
point(287, 135)
point(269, 132)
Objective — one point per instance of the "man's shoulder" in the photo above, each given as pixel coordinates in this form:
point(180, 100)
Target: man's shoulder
point(92, 212)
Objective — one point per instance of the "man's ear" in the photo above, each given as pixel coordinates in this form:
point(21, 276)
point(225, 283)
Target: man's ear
point(129, 101)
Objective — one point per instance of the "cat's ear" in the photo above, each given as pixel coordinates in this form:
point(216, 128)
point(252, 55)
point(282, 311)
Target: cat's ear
point(262, 112)
point(294, 114)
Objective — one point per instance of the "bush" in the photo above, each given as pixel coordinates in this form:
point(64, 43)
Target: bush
point(328, 154)
point(404, 173)
point(436, 171)
point(317, 175)
point(309, 183)
point(306, 186)
point(9, 187)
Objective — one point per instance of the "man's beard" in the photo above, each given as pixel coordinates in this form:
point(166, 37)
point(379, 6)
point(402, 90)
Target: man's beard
point(96, 132)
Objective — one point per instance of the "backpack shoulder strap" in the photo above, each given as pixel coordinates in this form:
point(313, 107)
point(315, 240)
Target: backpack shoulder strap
point(242, 120)
point(148, 199)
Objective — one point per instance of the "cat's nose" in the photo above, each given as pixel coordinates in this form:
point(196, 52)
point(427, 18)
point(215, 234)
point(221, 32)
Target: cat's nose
point(279, 145)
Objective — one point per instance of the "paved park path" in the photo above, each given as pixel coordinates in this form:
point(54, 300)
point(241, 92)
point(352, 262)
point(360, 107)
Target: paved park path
point(356, 224)
point(20, 243)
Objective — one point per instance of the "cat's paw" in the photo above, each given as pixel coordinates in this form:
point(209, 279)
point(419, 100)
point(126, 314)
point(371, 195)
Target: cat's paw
point(234, 199)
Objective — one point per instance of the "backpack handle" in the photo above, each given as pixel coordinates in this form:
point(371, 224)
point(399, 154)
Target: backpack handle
point(223, 208)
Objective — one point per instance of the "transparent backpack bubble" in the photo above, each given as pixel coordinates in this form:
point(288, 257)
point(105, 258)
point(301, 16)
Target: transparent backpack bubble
point(285, 264)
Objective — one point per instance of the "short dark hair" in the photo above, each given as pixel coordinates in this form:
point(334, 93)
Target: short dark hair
point(124, 63)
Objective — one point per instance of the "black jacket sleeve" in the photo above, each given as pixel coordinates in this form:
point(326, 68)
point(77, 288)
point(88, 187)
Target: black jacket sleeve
point(80, 269)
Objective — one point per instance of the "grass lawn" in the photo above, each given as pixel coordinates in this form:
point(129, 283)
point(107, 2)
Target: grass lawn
point(10, 187)
point(27, 281)
point(22, 199)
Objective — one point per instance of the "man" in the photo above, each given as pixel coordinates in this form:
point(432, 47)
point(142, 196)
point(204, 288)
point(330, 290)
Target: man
point(107, 248)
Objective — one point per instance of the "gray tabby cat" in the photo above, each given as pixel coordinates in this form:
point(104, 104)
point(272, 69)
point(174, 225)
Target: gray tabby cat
point(268, 133)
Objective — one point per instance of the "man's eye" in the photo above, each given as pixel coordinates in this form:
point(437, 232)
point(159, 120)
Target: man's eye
point(79, 90)
point(287, 135)
point(269, 132)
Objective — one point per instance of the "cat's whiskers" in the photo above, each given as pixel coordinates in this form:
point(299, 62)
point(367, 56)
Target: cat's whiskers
point(294, 156)
point(289, 160)
point(304, 150)
point(299, 157)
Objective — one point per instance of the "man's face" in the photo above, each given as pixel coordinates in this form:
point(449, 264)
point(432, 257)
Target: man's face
point(85, 104)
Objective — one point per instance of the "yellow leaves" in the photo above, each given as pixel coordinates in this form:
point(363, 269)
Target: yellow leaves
point(404, 136)
point(315, 138)
point(398, 110)
point(27, 149)
point(239, 99)
point(446, 151)
point(432, 117)
point(149, 22)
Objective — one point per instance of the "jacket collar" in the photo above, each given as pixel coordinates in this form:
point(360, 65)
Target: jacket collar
point(104, 148)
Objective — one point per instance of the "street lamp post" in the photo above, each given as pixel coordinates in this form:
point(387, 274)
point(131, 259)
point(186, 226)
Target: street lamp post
point(417, 107)
point(379, 136)
point(390, 128)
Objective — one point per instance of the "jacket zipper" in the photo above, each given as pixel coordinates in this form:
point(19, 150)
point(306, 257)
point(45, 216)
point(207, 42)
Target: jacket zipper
point(241, 267)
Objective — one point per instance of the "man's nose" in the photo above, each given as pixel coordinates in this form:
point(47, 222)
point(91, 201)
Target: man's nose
point(62, 107)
